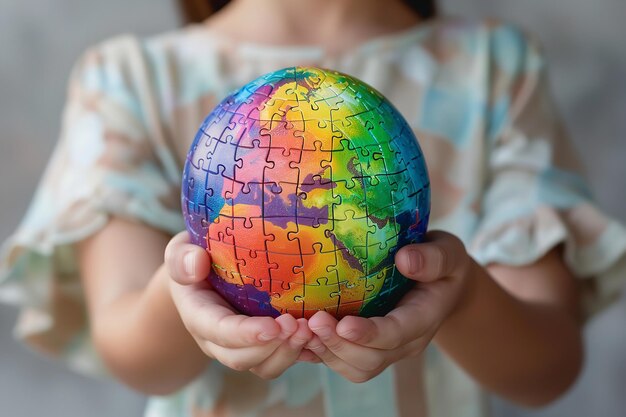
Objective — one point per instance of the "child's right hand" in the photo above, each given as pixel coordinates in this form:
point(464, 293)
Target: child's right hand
point(263, 345)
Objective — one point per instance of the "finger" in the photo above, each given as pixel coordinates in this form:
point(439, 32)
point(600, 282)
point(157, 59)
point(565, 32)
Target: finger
point(288, 325)
point(208, 316)
point(241, 359)
point(441, 255)
point(186, 263)
point(374, 332)
point(302, 336)
point(247, 357)
point(412, 318)
point(286, 354)
point(359, 356)
point(338, 365)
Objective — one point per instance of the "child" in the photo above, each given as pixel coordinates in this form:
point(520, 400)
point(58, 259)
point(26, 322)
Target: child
point(521, 257)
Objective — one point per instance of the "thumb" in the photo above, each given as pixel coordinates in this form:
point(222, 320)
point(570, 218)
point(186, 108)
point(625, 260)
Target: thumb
point(441, 255)
point(186, 263)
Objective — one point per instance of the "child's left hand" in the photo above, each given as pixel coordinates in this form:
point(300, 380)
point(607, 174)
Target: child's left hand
point(360, 348)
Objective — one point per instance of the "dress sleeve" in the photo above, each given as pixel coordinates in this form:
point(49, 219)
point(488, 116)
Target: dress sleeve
point(536, 196)
point(104, 164)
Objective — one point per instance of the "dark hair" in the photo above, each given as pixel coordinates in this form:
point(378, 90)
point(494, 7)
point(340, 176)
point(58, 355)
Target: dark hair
point(194, 11)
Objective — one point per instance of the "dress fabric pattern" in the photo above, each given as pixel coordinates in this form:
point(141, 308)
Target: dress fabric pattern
point(503, 175)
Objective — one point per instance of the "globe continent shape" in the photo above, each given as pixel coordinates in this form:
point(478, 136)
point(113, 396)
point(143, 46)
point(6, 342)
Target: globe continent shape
point(302, 185)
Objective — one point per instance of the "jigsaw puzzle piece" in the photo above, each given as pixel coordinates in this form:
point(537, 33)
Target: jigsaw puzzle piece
point(319, 297)
point(263, 85)
point(249, 134)
point(315, 204)
point(351, 295)
point(362, 99)
point(260, 303)
point(255, 267)
point(284, 295)
point(283, 167)
point(218, 126)
point(312, 268)
point(225, 262)
point(217, 230)
point(251, 166)
point(288, 265)
point(249, 199)
point(374, 283)
point(348, 195)
point(236, 294)
point(282, 203)
point(313, 236)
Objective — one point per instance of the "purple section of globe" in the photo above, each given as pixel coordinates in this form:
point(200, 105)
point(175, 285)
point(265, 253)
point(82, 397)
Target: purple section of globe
point(246, 298)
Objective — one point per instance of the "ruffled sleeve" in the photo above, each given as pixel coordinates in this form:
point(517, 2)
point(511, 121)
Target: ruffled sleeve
point(537, 197)
point(107, 163)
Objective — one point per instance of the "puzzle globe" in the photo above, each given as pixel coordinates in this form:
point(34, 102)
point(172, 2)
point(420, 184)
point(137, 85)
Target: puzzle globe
point(302, 185)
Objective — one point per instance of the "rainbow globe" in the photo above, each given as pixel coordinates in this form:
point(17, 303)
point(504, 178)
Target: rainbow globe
point(302, 185)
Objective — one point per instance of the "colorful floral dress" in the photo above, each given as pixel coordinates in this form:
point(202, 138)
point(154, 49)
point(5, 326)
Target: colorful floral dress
point(503, 178)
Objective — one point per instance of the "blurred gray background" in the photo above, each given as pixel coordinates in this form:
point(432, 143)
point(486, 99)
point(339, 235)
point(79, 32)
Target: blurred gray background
point(40, 39)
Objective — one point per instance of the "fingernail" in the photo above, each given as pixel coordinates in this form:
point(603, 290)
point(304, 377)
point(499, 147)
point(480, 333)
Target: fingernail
point(266, 337)
point(189, 264)
point(322, 331)
point(412, 260)
point(348, 335)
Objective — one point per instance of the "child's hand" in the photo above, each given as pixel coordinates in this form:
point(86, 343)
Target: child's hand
point(360, 348)
point(262, 345)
